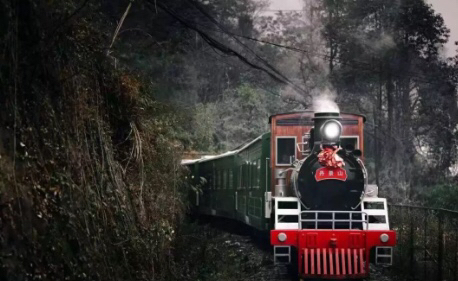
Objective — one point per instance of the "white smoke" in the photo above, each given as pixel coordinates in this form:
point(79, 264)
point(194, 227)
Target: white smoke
point(325, 101)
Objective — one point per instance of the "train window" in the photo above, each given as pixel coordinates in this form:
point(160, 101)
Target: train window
point(259, 170)
point(253, 174)
point(243, 176)
point(250, 175)
point(258, 173)
point(213, 184)
point(349, 142)
point(219, 180)
point(377, 219)
point(374, 206)
point(204, 181)
point(286, 150)
point(247, 176)
point(221, 176)
point(231, 179)
point(240, 177)
point(306, 144)
point(223, 173)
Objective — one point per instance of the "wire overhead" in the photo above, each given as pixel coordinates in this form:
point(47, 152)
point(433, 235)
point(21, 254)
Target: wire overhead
point(267, 68)
point(362, 65)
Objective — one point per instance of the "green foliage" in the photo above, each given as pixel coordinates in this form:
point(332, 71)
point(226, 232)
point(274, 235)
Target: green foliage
point(240, 116)
point(205, 126)
point(441, 196)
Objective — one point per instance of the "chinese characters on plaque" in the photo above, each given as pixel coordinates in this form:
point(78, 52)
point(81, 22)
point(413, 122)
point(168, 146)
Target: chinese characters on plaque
point(327, 173)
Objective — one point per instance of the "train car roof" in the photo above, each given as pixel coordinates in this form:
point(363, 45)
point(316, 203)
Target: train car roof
point(218, 156)
point(311, 112)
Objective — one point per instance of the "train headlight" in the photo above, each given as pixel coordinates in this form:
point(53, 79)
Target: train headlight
point(331, 130)
point(384, 237)
point(282, 237)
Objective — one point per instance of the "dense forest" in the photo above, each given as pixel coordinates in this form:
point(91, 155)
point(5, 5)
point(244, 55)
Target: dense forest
point(101, 99)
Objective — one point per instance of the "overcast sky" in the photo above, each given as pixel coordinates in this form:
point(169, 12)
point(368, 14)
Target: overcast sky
point(447, 8)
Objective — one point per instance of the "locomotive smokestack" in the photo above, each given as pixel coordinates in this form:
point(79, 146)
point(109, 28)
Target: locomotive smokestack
point(327, 128)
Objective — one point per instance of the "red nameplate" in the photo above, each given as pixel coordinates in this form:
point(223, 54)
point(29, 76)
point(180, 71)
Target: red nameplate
point(326, 173)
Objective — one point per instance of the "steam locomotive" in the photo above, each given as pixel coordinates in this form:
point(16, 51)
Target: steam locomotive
point(306, 183)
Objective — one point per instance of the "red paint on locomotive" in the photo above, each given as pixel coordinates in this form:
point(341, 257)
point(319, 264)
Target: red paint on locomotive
point(336, 254)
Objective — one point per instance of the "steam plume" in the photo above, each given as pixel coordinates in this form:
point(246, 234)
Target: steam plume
point(325, 101)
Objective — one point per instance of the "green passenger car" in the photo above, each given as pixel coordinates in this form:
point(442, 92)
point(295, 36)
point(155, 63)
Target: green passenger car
point(234, 184)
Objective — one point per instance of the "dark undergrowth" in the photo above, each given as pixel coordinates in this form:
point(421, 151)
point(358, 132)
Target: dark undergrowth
point(89, 167)
point(214, 254)
point(90, 183)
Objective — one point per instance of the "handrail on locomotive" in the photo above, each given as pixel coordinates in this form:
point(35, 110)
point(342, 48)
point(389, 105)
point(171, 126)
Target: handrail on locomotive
point(364, 221)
